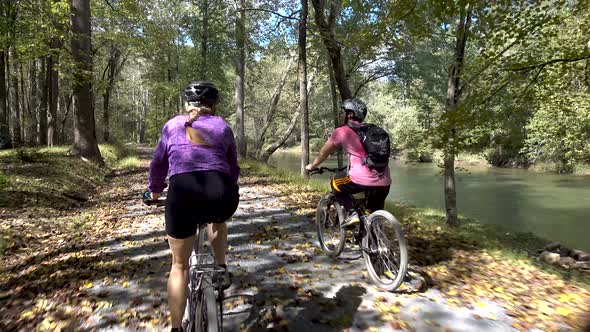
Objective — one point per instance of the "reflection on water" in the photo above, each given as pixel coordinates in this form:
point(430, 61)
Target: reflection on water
point(556, 207)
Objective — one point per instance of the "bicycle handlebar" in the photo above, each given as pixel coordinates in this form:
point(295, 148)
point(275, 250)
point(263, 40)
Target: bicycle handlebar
point(147, 199)
point(321, 170)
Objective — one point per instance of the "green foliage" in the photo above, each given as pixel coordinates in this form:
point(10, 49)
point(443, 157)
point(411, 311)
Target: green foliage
point(559, 131)
point(401, 120)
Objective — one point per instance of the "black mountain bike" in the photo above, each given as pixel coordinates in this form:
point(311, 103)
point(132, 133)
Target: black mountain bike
point(379, 236)
point(204, 309)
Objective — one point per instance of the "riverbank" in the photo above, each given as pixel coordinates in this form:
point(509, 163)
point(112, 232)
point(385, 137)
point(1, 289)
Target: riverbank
point(432, 226)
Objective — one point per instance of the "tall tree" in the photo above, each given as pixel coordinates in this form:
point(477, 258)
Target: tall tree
point(240, 76)
point(453, 103)
point(274, 102)
point(301, 46)
point(85, 144)
point(43, 97)
point(16, 105)
point(326, 28)
point(111, 71)
point(53, 91)
point(205, 39)
point(4, 129)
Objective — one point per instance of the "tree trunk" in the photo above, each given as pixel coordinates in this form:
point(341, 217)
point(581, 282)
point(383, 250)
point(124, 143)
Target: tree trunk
point(335, 112)
point(326, 29)
point(24, 107)
point(274, 101)
point(205, 39)
point(144, 99)
point(301, 45)
point(281, 140)
point(53, 93)
point(66, 104)
point(85, 144)
point(15, 97)
point(33, 138)
point(240, 78)
point(452, 105)
point(4, 129)
point(42, 94)
point(113, 69)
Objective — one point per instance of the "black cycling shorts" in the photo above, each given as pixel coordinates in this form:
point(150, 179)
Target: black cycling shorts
point(196, 198)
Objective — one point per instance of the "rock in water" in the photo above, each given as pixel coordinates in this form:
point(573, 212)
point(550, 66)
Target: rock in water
point(567, 261)
point(550, 257)
point(576, 254)
point(553, 246)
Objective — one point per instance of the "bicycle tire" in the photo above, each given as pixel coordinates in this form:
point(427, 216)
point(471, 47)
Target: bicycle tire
point(323, 219)
point(211, 309)
point(385, 266)
point(201, 312)
point(188, 321)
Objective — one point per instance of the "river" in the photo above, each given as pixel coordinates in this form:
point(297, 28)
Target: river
point(555, 207)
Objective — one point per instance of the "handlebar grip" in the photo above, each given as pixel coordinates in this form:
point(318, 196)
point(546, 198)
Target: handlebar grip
point(147, 199)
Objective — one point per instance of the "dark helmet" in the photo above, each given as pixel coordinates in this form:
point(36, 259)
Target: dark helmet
point(356, 106)
point(201, 92)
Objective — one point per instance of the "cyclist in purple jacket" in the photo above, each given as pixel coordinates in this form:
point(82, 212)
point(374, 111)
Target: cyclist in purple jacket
point(198, 152)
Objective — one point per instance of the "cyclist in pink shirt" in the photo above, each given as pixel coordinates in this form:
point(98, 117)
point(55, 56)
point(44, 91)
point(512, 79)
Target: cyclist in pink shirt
point(358, 177)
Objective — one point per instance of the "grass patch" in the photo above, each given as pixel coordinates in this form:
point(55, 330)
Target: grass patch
point(114, 153)
point(51, 178)
point(128, 162)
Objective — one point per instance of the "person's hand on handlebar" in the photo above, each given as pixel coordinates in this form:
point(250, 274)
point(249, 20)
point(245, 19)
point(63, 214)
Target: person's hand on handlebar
point(310, 167)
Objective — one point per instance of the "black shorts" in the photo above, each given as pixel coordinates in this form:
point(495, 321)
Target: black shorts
point(197, 198)
point(343, 188)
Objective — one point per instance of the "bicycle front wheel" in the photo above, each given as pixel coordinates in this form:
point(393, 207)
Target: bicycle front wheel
point(385, 250)
point(206, 310)
point(330, 235)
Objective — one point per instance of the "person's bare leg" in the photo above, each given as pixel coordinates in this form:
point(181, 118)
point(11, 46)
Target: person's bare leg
point(218, 238)
point(178, 279)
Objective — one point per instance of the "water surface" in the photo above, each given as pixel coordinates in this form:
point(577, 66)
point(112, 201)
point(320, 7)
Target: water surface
point(553, 206)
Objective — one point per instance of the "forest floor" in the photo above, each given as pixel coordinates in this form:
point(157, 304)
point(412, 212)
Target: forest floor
point(77, 258)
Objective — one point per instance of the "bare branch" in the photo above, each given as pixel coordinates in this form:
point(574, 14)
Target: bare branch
point(550, 62)
point(110, 5)
point(522, 35)
point(292, 16)
point(372, 78)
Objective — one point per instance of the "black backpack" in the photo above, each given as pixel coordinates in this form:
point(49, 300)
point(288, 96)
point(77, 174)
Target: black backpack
point(376, 143)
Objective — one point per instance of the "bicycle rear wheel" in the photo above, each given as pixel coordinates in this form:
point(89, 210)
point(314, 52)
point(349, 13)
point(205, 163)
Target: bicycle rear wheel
point(385, 250)
point(330, 235)
point(206, 311)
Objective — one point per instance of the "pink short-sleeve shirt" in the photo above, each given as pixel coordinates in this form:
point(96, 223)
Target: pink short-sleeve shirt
point(347, 138)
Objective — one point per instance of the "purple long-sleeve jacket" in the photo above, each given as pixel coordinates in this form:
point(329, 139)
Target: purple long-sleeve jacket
point(175, 154)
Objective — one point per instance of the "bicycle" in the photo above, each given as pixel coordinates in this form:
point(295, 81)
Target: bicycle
point(386, 266)
point(204, 309)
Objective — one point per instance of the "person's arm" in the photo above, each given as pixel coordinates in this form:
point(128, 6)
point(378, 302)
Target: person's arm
point(232, 156)
point(159, 165)
point(324, 153)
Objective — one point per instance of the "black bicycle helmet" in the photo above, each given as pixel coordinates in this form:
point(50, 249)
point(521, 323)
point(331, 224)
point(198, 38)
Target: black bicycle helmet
point(201, 92)
point(356, 106)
